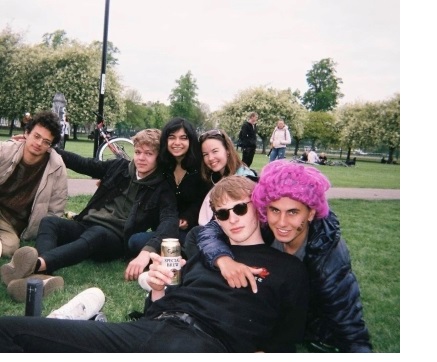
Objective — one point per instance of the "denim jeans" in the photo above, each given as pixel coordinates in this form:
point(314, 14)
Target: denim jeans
point(277, 153)
point(139, 240)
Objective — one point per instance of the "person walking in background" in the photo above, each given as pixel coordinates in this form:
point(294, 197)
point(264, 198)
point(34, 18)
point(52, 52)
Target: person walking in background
point(66, 131)
point(25, 121)
point(33, 181)
point(295, 216)
point(279, 140)
point(247, 138)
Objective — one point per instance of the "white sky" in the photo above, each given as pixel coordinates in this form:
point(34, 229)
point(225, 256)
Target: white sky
point(230, 45)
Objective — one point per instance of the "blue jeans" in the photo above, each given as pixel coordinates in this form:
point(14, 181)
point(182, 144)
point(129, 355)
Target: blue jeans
point(139, 240)
point(277, 153)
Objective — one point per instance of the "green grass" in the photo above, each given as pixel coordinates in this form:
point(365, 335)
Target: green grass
point(372, 232)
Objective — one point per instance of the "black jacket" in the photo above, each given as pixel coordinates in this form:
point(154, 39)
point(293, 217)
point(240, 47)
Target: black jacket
point(155, 204)
point(335, 314)
point(189, 195)
point(247, 136)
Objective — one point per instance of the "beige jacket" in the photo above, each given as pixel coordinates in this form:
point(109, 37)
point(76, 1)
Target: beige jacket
point(51, 196)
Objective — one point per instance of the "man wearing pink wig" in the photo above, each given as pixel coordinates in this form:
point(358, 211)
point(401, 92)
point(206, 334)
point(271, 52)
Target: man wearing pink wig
point(292, 206)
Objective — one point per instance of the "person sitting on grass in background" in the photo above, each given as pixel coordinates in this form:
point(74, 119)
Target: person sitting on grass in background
point(132, 196)
point(33, 181)
point(203, 313)
point(291, 201)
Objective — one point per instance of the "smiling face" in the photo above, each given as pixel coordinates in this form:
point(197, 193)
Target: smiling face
point(178, 144)
point(215, 155)
point(145, 159)
point(289, 220)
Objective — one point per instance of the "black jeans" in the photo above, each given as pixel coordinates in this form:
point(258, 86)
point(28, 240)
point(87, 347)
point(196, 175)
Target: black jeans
point(248, 154)
point(61, 242)
point(36, 334)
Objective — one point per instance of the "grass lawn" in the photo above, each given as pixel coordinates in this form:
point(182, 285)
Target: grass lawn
point(372, 232)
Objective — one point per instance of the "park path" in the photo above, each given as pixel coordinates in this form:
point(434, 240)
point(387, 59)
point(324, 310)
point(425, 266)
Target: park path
point(88, 186)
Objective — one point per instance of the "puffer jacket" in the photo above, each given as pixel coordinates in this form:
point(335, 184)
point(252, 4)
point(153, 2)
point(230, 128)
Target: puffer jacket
point(52, 193)
point(280, 137)
point(335, 314)
point(155, 205)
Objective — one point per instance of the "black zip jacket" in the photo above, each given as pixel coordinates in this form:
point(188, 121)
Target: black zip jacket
point(155, 204)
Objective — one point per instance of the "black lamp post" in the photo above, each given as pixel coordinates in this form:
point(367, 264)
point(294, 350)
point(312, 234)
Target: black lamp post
point(102, 78)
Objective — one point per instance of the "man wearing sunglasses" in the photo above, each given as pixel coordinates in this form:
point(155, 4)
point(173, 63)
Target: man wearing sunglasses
point(203, 314)
point(33, 181)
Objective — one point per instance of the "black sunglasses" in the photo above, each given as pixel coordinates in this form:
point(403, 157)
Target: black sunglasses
point(210, 134)
point(239, 209)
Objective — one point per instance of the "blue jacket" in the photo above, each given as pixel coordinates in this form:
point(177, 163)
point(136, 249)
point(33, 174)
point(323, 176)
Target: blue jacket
point(335, 314)
point(155, 204)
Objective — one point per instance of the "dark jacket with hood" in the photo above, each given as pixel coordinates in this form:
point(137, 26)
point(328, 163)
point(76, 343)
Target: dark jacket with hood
point(154, 206)
point(335, 314)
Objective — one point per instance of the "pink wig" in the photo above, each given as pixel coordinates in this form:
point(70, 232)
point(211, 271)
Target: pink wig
point(282, 178)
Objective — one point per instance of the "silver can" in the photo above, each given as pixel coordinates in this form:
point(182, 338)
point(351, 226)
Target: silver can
point(171, 252)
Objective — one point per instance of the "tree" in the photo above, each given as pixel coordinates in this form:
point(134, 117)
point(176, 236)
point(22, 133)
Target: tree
point(56, 39)
point(389, 125)
point(183, 99)
point(324, 90)
point(320, 129)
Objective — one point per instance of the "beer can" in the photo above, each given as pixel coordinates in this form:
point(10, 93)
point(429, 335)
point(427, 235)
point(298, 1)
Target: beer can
point(171, 252)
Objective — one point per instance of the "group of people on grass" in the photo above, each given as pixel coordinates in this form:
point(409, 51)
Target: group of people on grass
point(266, 265)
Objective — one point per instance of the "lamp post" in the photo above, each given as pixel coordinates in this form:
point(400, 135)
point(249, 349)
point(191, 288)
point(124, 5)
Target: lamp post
point(102, 78)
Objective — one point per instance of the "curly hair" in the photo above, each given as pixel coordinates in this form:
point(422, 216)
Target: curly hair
point(282, 178)
point(49, 120)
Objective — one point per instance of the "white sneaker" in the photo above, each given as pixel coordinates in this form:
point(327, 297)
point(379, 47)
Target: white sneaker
point(143, 283)
point(83, 306)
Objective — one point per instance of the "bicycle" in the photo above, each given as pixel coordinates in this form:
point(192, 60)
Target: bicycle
point(112, 146)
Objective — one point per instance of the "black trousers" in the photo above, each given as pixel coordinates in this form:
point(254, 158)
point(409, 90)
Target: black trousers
point(62, 242)
point(37, 334)
point(248, 154)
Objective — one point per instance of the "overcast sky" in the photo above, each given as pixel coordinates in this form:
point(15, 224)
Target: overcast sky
point(230, 45)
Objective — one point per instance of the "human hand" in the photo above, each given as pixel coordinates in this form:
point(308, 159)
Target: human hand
point(137, 265)
point(160, 275)
point(183, 224)
point(19, 137)
point(238, 275)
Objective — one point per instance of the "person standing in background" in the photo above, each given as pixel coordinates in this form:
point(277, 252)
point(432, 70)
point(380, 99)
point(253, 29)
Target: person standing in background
point(279, 140)
point(66, 131)
point(25, 121)
point(247, 138)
